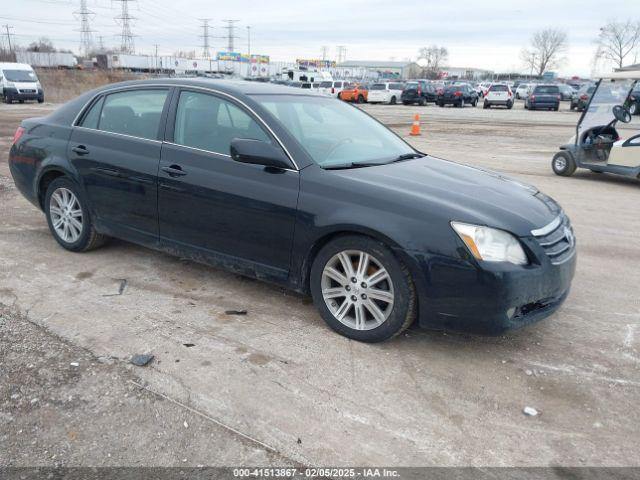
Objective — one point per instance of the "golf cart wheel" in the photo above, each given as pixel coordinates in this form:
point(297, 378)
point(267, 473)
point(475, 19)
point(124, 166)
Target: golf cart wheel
point(563, 164)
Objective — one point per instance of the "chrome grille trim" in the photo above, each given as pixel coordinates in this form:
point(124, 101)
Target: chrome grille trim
point(557, 239)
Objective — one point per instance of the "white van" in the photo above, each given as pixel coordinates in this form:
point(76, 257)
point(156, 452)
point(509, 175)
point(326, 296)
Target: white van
point(19, 82)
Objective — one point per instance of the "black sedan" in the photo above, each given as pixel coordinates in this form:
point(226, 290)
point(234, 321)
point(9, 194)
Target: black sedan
point(458, 96)
point(544, 96)
point(303, 191)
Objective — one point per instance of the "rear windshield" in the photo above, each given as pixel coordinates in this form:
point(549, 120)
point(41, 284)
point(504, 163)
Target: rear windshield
point(326, 84)
point(453, 88)
point(499, 88)
point(378, 86)
point(411, 86)
point(551, 89)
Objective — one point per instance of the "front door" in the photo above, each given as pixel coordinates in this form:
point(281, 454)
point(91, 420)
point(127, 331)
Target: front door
point(225, 212)
point(116, 150)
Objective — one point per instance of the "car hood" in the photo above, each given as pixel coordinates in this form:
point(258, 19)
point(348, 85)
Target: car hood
point(453, 191)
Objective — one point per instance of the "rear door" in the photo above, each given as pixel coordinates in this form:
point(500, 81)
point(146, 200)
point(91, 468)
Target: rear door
point(116, 150)
point(237, 214)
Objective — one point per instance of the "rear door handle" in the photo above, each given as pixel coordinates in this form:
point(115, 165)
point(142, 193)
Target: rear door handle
point(80, 150)
point(174, 171)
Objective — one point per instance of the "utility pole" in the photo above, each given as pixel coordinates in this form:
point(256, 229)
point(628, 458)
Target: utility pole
point(156, 58)
point(101, 43)
point(230, 33)
point(325, 51)
point(126, 36)
point(249, 41)
point(7, 27)
point(86, 40)
point(206, 51)
point(342, 53)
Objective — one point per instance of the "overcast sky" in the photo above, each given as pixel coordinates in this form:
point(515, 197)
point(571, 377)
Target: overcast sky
point(485, 33)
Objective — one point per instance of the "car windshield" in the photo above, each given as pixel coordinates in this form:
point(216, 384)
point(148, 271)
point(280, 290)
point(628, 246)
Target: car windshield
point(547, 89)
point(378, 86)
point(605, 96)
point(20, 76)
point(333, 133)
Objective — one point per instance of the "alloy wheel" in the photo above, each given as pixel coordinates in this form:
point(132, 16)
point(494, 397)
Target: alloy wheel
point(560, 163)
point(66, 215)
point(357, 290)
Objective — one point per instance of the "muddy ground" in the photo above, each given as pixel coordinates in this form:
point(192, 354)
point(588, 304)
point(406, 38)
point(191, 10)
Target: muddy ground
point(280, 376)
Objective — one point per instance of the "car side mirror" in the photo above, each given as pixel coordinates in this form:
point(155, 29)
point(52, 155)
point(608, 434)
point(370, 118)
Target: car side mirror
point(621, 114)
point(258, 152)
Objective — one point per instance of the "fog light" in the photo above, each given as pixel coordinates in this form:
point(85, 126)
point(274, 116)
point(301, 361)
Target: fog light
point(510, 312)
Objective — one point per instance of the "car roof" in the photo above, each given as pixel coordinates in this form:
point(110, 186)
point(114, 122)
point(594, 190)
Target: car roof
point(237, 87)
point(15, 66)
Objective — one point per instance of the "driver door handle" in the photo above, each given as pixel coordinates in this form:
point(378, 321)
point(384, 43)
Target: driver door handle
point(80, 150)
point(174, 171)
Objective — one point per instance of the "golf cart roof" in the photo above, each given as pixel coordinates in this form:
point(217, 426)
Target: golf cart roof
point(624, 75)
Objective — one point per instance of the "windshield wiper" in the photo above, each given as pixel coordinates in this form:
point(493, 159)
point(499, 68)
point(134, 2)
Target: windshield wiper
point(399, 158)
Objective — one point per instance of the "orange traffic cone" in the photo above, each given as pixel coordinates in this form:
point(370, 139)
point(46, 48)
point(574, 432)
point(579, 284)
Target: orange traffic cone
point(415, 128)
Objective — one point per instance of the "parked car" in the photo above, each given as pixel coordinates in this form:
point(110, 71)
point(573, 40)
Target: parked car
point(18, 81)
point(332, 88)
point(356, 92)
point(499, 94)
point(387, 92)
point(580, 99)
point(483, 88)
point(458, 96)
point(303, 191)
point(523, 90)
point(566, 92)
point(544, 96)
point(418, 91)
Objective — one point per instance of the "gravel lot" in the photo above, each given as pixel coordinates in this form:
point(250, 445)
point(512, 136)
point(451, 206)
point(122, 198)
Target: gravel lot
point(280, 376)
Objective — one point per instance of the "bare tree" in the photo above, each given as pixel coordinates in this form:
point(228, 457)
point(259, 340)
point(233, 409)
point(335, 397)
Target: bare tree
point(436, 57)
point(42, 45)
point(545, 51)
point(618, 40)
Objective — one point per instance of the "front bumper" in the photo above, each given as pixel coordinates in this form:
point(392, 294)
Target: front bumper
point(15, 94)
point(489, 298)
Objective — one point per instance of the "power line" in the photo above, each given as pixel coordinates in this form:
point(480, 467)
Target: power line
point(206, 52)
point(126, 35)
point(230, 33)
point(86, 39)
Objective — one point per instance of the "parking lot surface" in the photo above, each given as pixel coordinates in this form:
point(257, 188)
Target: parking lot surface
point(280, 376)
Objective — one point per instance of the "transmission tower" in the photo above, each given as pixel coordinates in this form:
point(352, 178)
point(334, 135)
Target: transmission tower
point(86, 39)
point(206, 48)
point(342, 53)
point(126, 35)
point(230, 33)
point(325, 51)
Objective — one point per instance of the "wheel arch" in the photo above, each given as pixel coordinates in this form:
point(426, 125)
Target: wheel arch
point(341, 231)
point(48, 175)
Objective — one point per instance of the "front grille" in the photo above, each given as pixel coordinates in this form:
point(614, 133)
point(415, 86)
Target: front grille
point(27, 90)
point(557, 239)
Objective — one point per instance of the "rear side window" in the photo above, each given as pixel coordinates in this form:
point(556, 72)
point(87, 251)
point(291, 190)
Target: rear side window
point(325, 84)
point(136, 113)
point(92, 117)
point(210, 123)
point(378, 86)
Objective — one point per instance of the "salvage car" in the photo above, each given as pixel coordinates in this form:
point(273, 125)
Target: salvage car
point(387, 92)
point(356, 92)
point(499, 94)
point(294, 188)
point(580, 99)
point(418, 91)
point(458, 95)
point(597, 143)
point(544, 96)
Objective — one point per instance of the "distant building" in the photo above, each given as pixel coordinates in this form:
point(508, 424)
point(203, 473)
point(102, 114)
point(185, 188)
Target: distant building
point(628, 68)
point(467, 73)
point(374, 70)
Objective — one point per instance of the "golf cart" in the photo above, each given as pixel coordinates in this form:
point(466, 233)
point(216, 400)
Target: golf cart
point(606, 139)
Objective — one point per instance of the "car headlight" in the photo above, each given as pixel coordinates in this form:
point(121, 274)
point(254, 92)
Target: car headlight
point(490, 244)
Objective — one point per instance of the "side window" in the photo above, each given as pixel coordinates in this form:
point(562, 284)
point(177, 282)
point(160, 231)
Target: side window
point(92, 117)
point(136, 113)
point(210, 123)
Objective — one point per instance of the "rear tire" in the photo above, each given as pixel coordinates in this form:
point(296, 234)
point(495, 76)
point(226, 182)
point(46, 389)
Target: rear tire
point(87, 238)
point(441, 104)
point(509, 105)
point(485, 105)
point(405, 103)
point(360, 99)
point(563, 164)
point(378, 319)
point(422, 102)
point(392, 101)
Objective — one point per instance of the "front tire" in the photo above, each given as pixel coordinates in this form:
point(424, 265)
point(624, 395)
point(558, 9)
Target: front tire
point(563, 164)
point(69, 218)
point(362, 290)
